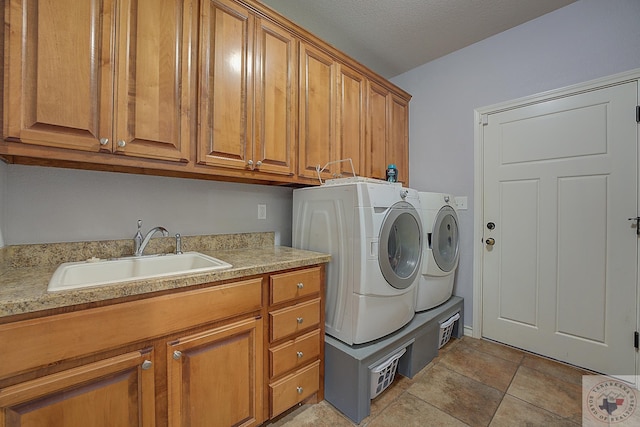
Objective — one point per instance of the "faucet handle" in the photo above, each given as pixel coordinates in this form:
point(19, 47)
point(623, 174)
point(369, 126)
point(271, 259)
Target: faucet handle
point(178, 244)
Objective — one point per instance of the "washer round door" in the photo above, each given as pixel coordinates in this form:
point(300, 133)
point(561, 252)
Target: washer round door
point(445, 240)
point(400, 246)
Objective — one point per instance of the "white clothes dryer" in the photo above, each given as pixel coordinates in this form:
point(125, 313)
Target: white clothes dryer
point(441, 250)
point(373, 231)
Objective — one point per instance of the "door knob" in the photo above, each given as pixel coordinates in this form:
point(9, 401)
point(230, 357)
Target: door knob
point(490, 241)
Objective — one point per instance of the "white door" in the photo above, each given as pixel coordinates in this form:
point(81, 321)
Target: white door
point(560, 182)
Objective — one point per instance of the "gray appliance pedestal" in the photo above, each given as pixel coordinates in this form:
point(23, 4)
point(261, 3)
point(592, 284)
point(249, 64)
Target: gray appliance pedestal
point(347, 368)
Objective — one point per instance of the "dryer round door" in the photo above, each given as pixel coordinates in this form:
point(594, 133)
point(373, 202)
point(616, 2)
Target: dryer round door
point(400, 246)
point(444, 241)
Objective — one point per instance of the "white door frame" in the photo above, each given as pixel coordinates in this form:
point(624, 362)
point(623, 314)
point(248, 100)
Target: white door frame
point(478, 188)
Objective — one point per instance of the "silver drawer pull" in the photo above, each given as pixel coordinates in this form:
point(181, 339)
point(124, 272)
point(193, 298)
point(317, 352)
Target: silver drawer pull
point(299, 354)
point(300, 285)
point(300, 320)
point(177, 355)
point(146, 364)
point(299, 389)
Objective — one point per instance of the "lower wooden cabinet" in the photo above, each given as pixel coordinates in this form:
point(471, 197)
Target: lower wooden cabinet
point(189, 358)
point(296, 338)
point(215, 377)
point(118, 391)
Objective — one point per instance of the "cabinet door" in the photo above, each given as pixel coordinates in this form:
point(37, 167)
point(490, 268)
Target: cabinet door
point(377, 132)
point(276, 114)
point(60, 73)
point(317, 112)
point(398, 148)
point(153, 96)
point(351, 121)
point(226, 34)
point(114, 392)
point(215, 377)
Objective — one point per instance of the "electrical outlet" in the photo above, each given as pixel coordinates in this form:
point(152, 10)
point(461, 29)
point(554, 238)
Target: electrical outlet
point(461, 203)
point(262, 211)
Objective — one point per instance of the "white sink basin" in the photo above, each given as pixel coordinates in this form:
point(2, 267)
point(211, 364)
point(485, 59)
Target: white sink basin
point(84, 274)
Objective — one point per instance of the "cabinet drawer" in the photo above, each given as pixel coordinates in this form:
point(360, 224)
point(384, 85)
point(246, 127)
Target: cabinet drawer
point(294, 388)
point(294, 353)
point(295, 284)
point(291, 320)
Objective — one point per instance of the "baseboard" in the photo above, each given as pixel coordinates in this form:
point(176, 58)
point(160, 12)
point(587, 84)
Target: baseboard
point(468, 331)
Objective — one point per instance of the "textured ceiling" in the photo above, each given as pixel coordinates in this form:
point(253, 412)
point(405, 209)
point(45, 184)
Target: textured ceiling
point(394, 36)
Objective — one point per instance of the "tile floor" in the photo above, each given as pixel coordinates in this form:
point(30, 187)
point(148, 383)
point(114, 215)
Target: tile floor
point(471, 383)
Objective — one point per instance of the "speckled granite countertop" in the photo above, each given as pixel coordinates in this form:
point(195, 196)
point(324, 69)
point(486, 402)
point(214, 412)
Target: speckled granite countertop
point(27, 269)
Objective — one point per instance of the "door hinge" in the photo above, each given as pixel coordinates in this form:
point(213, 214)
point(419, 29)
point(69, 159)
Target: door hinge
point(638, 113)
point(484, 119)
point(636, 339)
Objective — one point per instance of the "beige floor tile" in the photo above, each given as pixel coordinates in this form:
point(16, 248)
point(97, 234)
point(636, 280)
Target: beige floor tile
point(319, 415)
point(555, 369)
point(496, 349)
point(552, 394)
point(453, 342)
point(472, 402)
point(515, 412)
point(399, 385)
point(480, 366)
point(409, 411)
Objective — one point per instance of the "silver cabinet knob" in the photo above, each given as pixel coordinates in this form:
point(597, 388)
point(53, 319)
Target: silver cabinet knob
point(250, 162)
point(299, 354)
point(147, 364)
point(104, 141)
point(259, 163)
point(122, 143)
point(300, 285)
point(177, 355)
point(299, 320)
point(299, 389)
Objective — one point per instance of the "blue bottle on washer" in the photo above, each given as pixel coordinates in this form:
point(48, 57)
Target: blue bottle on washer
point(392, 173)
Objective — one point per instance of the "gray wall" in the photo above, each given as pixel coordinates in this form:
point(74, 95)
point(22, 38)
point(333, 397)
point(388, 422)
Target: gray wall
point(580, 42)
point(43, 205)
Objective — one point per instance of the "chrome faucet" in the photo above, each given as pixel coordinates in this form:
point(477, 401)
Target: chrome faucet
point(141, 243)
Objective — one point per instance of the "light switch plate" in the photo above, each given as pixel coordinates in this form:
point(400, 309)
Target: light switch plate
point(262, 211)
point(461, 203)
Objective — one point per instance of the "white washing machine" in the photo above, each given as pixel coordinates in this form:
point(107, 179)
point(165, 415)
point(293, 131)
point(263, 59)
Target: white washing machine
point(441, 250)
point(373, 231)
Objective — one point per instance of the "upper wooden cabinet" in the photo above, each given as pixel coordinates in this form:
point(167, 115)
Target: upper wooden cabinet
point(248, 70)
point(220, 89)
point(317, 112)
point(398, 145)
point(332, 116)
point(387, 133)
point(100, 75)
point(351, 120)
